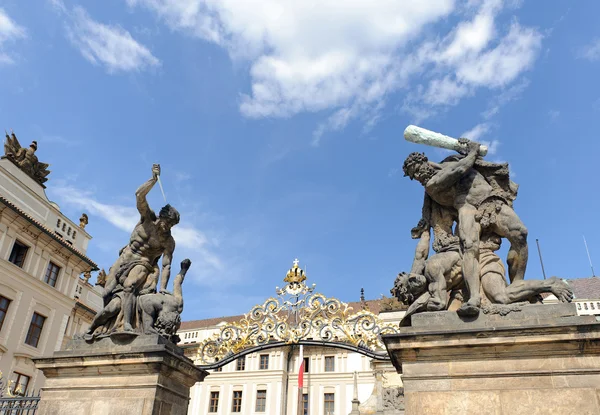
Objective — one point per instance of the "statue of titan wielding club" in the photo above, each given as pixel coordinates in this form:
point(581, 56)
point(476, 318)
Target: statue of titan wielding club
point(481, 193)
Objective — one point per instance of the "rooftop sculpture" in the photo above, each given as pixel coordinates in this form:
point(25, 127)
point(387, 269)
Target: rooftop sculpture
point(25, 158)
point(468, 204)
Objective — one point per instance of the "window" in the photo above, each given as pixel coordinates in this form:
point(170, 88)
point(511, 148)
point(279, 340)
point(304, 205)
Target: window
point(35, 329)
point(264, 362)
point(4, 303)
point(213, 404)
point(74, 234)
point(306, 362)
point(58, 223)
point(305, 404)
point(329, 403)
point(51, 274)
point(236, 403)
point(261, 400)
point(329, 363)
point(64, 227)
point(20, 383)
point(219, 369)
point(17, 255)
point(241, 363)
point(69, 231)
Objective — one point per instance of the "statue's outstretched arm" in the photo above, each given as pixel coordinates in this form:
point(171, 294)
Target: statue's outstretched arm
point(452, 172)
point(142, 192)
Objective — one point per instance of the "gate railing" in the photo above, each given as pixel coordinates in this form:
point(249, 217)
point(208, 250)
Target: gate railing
point(19, 405)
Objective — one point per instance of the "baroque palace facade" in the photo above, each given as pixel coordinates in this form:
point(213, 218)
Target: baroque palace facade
point(45, 294)
point(266, 381)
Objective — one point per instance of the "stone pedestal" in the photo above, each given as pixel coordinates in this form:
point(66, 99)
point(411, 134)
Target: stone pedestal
point(388, 395)
point(132, 375)
point(538, 359)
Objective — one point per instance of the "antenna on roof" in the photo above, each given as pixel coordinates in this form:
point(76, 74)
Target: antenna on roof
point(589, 257)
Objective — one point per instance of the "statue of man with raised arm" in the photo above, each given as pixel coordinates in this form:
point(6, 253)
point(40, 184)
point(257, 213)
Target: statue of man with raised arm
point(481, 203)
point(136, 270)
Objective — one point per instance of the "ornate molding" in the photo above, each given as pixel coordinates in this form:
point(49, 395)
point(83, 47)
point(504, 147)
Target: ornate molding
point(297, 314)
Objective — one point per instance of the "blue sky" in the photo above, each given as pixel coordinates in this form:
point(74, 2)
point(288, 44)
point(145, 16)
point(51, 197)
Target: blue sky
point(278, 125)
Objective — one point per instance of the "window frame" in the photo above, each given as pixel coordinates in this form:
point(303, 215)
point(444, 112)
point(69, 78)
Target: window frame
point(4, 311)
point(236, 401)
point(262, 366)
point(307, 365)
point(17, 382)
point(213, 402)
point(48, 274)
point(327, 401)
point(240, 364)
point(32, 326)
point(263, 401)
point(331, 360)
point(305, 404)
point(25, 248)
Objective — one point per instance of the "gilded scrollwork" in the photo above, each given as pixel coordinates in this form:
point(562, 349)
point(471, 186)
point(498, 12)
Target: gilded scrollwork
point(296, 314)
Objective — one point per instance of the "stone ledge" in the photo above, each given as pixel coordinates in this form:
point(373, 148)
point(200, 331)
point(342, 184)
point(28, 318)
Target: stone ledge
point(529, 314)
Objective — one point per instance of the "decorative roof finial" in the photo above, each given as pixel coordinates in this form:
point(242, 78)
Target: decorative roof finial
point(362, 294)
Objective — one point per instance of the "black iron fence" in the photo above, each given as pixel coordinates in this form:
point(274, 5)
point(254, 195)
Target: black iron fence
point(19, 405)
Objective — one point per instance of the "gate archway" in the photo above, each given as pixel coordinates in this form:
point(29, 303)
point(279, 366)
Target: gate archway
point(297, 315)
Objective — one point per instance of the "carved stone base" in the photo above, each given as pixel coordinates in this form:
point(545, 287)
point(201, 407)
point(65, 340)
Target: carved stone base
point(132, 375)
point(543, 359)
point(388, 395)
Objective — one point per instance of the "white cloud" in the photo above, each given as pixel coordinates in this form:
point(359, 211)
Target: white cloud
point(9, 31)
point(475, 133)
point(444, 92)
point(348, 56)
point(502, 64)
point(592, 51)
point(111, 46)
point(478, 132)
point(191, 242)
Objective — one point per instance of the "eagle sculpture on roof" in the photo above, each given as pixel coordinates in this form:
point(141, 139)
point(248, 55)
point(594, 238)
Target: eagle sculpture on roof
point(26, 159)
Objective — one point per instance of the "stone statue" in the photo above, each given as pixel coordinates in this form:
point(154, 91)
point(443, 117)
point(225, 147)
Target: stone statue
point(101, 278)
point(161, 312)
point(83, 221)
point(25, 158)
point(468, 206)
point(136, 271)
point(481, 193)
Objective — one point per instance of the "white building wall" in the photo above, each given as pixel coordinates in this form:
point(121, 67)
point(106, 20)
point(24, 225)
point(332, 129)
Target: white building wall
point(24, 286)
point(317, 382)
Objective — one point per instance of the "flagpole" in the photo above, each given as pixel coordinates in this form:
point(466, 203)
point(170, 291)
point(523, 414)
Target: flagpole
point(589, 257)
point(300, 380)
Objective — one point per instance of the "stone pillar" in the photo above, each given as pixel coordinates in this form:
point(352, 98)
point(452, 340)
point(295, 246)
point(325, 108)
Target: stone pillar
point(538, 359)
point(120, 375)
point(387, 397)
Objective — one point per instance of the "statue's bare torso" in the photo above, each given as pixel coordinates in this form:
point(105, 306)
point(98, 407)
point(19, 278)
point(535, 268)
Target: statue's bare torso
point(148, 242)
